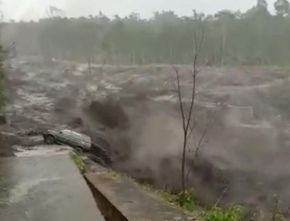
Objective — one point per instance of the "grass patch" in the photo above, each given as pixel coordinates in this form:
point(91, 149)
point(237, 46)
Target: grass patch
point(188, 203)
point(113, 175)
point(79, 162)
point(223, 214)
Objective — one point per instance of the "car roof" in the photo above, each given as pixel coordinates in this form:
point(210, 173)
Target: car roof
point(78, 135)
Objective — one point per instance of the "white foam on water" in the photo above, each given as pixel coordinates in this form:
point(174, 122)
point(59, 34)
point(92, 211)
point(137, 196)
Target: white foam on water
point(165, 98)
point(42, 151)
point(18, 193)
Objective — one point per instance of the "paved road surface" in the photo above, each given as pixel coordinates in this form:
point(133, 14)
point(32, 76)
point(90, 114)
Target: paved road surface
point(46, 188)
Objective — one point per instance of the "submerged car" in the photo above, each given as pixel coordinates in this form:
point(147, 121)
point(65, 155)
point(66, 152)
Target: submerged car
point(68, 137)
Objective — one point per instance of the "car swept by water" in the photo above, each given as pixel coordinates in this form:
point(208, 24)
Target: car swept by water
point(68, 137)
point(80, 142)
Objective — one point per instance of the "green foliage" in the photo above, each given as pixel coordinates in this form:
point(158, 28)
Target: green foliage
point(169, 197)
point(278, 217)
point(79, 162)
point(282, 7)
point(188, 202)
point(184, 200)
point(254, 37)
point(227, 214)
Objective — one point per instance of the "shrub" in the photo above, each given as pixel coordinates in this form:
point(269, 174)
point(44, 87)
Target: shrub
point(184, 200)
point(79, 162)
point(226, 214)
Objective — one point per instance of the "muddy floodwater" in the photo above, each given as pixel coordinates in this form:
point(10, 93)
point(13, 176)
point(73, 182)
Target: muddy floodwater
point(245, 151)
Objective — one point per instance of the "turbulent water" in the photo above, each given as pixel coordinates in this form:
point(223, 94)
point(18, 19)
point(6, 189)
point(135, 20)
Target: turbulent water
point(244, 111)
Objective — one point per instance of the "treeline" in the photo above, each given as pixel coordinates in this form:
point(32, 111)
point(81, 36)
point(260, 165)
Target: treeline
point(255, 37)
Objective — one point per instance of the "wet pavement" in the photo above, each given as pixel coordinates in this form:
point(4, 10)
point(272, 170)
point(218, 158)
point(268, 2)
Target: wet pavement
point(44, 188)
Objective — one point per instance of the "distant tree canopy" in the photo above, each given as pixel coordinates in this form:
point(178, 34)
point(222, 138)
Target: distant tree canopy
point(282, 7)
point(253, 37)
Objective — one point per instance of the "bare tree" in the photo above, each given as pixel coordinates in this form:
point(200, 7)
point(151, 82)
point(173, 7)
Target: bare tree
point(187, 113)
point(90, 66)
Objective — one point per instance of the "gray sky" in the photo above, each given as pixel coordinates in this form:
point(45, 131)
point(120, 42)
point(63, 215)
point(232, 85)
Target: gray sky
point(33, 9)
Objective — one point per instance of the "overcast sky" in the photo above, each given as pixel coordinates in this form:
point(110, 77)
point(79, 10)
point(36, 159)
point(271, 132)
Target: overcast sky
point(33, 9)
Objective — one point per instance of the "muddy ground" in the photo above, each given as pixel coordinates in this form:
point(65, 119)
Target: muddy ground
point(243, 111)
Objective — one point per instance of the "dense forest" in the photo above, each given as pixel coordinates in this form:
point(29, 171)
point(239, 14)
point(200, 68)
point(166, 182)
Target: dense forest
point(255, 37)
